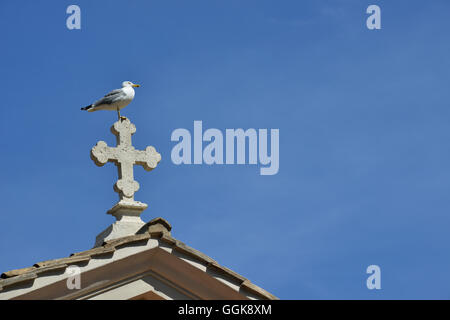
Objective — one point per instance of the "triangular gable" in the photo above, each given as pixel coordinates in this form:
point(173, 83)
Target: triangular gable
point(151, 264)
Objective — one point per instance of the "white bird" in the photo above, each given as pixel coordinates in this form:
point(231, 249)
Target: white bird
point(115, 100)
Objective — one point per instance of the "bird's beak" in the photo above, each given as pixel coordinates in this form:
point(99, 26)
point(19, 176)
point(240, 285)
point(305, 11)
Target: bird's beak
point(135, 85)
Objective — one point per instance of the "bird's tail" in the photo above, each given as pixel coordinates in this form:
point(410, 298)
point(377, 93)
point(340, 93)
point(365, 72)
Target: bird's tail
point(87, 108)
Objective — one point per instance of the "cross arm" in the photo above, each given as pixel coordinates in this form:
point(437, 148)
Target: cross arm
point(101, 153)
point(148, 158)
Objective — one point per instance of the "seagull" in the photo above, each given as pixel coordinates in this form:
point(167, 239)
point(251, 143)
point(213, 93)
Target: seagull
point(115, 100)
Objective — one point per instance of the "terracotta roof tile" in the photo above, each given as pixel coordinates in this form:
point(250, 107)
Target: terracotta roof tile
point(160, 221)
point(18, 279)
point(168, 239)
point(156, 227)
point(218, 268)
point(16, 272)
point(247, 285)
point(181, 247)
point(69, 260)
point(52, 267)
point(95, 252)
point(126, 240)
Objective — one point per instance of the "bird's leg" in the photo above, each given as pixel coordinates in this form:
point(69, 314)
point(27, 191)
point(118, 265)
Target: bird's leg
point(120, 117)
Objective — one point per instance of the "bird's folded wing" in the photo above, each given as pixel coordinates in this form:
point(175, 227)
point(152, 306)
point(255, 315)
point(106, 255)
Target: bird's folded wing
point(113, 92)
point(111, 97)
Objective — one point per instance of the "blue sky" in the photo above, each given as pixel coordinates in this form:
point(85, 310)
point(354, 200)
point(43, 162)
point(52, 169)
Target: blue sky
point(364, 136)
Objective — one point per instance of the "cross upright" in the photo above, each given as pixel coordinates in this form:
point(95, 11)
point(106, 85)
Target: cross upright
point(125, 156)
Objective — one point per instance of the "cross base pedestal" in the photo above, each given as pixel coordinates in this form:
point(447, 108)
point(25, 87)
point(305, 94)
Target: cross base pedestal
point(128, 221)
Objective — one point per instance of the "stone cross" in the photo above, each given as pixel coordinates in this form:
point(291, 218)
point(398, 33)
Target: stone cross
point(124, 156)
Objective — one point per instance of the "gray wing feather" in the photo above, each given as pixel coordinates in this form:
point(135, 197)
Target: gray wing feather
point(111, 97)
